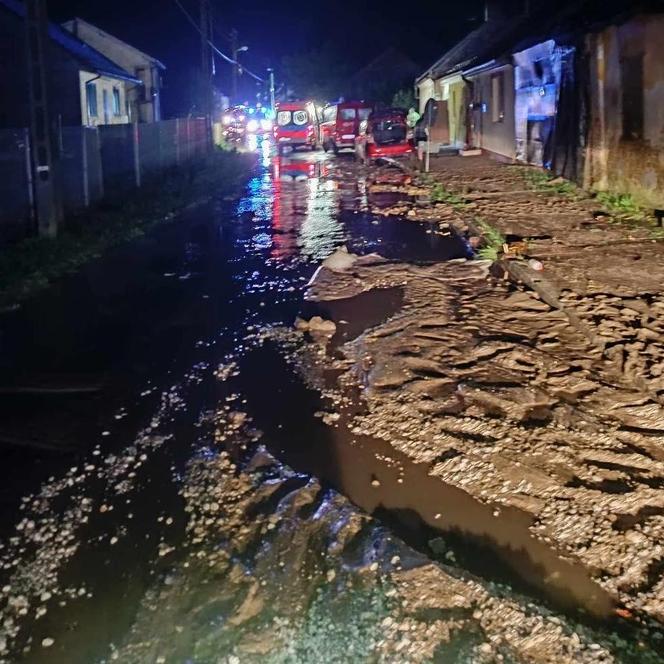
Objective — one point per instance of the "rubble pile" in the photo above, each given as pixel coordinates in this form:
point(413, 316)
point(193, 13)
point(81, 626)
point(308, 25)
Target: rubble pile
point(547, 400)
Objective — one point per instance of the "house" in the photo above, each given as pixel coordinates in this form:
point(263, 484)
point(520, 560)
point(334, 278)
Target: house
point(589, 82)
point(577, 88)
point(85, 87)
point(473, 82)
point(144, 101)
point(380, 79)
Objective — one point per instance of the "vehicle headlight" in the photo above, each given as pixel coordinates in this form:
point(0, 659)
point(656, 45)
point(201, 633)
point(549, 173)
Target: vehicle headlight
point(252, 125)
point(266, 124)
point(227, 119)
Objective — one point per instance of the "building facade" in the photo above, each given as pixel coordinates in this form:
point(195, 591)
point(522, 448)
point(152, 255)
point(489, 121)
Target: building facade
point(577, 89)
point(491, 111)
point(84, 86)
point(143, 102)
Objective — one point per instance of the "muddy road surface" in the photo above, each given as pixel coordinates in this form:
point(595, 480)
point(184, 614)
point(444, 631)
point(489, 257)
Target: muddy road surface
point(173, 490)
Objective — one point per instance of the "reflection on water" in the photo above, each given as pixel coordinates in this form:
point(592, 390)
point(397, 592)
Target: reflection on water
point(305, 219)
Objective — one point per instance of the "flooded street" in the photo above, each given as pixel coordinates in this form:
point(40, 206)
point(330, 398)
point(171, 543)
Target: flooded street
point(175, 491)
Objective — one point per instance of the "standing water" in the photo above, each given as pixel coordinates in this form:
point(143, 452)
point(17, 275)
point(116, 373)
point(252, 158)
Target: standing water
point(170, 496)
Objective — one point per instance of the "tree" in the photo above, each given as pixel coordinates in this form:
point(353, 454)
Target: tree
point(404, 98)
point(319, 74)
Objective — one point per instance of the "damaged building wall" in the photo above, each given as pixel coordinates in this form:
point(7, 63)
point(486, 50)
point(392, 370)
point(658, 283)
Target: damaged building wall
point(492, 113)
point(537, 80)
point(626, 138)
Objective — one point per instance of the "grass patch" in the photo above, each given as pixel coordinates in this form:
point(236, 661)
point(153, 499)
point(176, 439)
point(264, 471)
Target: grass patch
point(624, 209)
point(441, 195)
point(548, 183)
point(622, 206)
point(494, 241)
point(32, 264)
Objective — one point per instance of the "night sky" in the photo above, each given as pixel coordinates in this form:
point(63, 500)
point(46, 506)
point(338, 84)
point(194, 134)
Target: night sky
point(358, 31)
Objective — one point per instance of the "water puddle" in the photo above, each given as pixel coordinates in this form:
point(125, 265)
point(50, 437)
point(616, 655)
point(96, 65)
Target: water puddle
point(354, 315)
point(382, 481)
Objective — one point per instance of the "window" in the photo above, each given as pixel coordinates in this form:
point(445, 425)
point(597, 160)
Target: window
point(330, 114)
point(363, 113)
point(631, 69)
point(117, 106)
point(347, 114)
point(91, 99)
point(300, 117)
point(498, 97)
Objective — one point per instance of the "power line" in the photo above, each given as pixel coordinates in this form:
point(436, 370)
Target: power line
point(228, 59)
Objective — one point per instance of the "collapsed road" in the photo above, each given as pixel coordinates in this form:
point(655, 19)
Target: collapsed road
point(379, 464)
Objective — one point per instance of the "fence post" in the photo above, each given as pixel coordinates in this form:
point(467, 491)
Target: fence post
point(84, 166)
point(137, 154)
point(177, 141)
point(189, 154)
point(28, 172)
point(102, 190)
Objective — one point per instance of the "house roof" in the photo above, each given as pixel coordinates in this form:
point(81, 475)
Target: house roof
point(486, 42)
point(88, 57)
point(71, 26)
point(499, 38)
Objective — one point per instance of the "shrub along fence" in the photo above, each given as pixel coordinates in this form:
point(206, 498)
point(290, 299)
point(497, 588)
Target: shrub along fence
point(93, 163)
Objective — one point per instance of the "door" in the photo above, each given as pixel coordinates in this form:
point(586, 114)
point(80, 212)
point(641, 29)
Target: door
point(107, 107)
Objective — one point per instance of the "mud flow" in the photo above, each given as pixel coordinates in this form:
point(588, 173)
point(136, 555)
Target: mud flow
point(179, 486)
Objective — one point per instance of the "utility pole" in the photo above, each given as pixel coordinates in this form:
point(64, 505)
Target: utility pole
point(36, 33)
point(206, 67)
point(235, 51)
point(272, 99)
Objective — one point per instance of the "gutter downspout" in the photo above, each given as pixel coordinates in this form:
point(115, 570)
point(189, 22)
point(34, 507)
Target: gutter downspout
point(471, 90)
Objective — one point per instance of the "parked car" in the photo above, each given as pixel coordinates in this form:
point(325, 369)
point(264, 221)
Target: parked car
point(384, 134)
point(340, 124)
point(296, 125)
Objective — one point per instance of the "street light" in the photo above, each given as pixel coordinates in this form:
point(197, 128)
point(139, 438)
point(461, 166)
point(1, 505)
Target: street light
point(272, 102)
point(236, 67)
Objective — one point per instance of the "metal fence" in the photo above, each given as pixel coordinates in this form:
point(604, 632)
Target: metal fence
point(94, 162)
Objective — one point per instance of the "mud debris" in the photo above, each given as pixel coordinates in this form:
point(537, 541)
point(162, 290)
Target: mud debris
point(553, 410)
point(364, 593)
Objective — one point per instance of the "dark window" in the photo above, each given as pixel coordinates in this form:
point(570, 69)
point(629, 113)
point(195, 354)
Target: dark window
point(632, 97)
point(347, 114)
point(116, 102)
point(91, 98)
